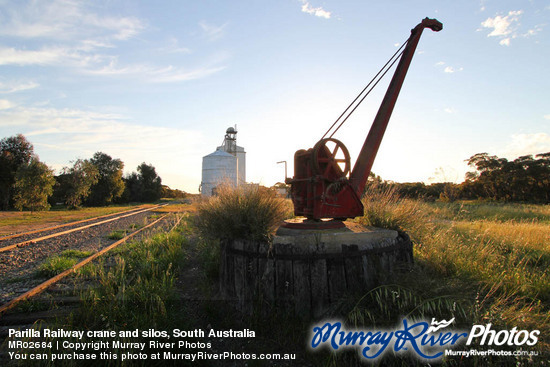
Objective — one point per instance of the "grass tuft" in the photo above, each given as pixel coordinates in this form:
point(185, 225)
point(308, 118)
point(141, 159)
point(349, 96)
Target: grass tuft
point(245, 212)
point(116, 235)
point(55, 265)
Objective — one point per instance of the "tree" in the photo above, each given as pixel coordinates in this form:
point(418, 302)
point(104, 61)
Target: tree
point(144, 186)
point(134, 190)
point(523, 179)
point(33, 184)
point(15, 152)
point(167, 192)
point(77, 182)
point(109, 186)
point(150, 182)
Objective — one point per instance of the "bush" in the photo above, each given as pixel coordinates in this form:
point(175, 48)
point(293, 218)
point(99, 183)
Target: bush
point(245, 212)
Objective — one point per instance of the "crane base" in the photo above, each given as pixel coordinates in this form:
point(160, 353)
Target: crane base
point(304, 223)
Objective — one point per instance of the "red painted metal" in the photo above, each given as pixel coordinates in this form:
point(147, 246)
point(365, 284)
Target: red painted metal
point(320, 187)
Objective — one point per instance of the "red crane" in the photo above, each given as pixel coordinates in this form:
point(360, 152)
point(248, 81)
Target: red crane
point(321, 187)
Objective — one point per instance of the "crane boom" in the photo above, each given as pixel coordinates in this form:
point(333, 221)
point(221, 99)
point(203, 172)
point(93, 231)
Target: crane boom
point(320, 187)
point(365, 160)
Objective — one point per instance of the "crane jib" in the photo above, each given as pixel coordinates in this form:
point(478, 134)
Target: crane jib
point(320, 187)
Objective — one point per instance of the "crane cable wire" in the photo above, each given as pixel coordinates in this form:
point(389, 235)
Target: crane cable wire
point(394, 57)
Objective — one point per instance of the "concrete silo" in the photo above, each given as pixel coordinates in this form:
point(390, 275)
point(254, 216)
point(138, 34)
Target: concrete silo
point(226, 165)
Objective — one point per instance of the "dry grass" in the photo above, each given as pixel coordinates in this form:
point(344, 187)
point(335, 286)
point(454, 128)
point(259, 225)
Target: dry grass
point(492, 258)
point(178, 208)
point(17, 222)
point(245, 212)
point(384, 208)
point(528, 235)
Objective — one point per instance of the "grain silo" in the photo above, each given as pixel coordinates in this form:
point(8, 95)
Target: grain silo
point(226, 165)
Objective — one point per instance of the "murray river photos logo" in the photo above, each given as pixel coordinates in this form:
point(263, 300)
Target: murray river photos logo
point(425, 340)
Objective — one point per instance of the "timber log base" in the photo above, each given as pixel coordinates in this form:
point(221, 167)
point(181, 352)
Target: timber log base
point(305, 272)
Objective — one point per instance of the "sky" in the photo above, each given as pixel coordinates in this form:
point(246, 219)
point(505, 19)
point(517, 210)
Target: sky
point(160, 82)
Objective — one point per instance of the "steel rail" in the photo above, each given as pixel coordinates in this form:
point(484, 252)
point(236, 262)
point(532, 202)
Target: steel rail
point(34, 240)
point(43, 286)
point(66, 224)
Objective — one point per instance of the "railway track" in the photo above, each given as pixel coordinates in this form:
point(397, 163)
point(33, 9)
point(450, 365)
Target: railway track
point(44, 285)
point(15, 235)
point(56, 234)
point(54, 230)
point(21, 260)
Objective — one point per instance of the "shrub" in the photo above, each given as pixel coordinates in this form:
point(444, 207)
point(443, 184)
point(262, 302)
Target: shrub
point(245, 212)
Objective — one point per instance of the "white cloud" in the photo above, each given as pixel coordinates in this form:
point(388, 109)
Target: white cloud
point(5, 104)
point(23, 57)
point(482, 6)
point(171, 74)
point(65, 20)
point(86, 41)
point(63, 135)
point(504, 27)
point(547, 117)
point(173, 46)
point(16, 86)
point(318, 12)
point(156, 74)
point(213, 32)
point(450, 69)
point(534, 31)
point(525, 144)
point(450, 110)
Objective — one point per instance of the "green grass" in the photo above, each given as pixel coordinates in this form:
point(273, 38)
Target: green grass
point(57, 264)
point(493, 211)
point(116, 235)
point(136, 289)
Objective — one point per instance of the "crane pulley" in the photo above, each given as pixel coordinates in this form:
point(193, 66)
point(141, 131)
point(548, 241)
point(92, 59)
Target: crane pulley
point(321, 187)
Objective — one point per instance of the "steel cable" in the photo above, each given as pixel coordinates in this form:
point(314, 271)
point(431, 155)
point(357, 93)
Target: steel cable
point(398, 53)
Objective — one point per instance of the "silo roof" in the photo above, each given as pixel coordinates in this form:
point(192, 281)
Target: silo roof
point(219, 153)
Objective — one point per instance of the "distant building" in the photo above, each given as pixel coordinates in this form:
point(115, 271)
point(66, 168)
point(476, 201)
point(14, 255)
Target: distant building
point(226, 165)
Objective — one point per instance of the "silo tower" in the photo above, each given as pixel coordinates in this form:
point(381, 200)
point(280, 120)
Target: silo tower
point(230, 146)
point(226, 165)
point(230, 141)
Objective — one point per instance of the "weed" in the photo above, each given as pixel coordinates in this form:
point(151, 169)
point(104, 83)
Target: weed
point(116, 235)
point(76, 254)
point(55, 265)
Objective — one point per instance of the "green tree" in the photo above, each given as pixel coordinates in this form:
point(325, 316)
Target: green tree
point(110, 185)
point(78, 181)
point(15, 152)
point(167, 192)
point(134, 190)
point(33, 184)
point(523, 179)
point(143, 186)
point(150, 182)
